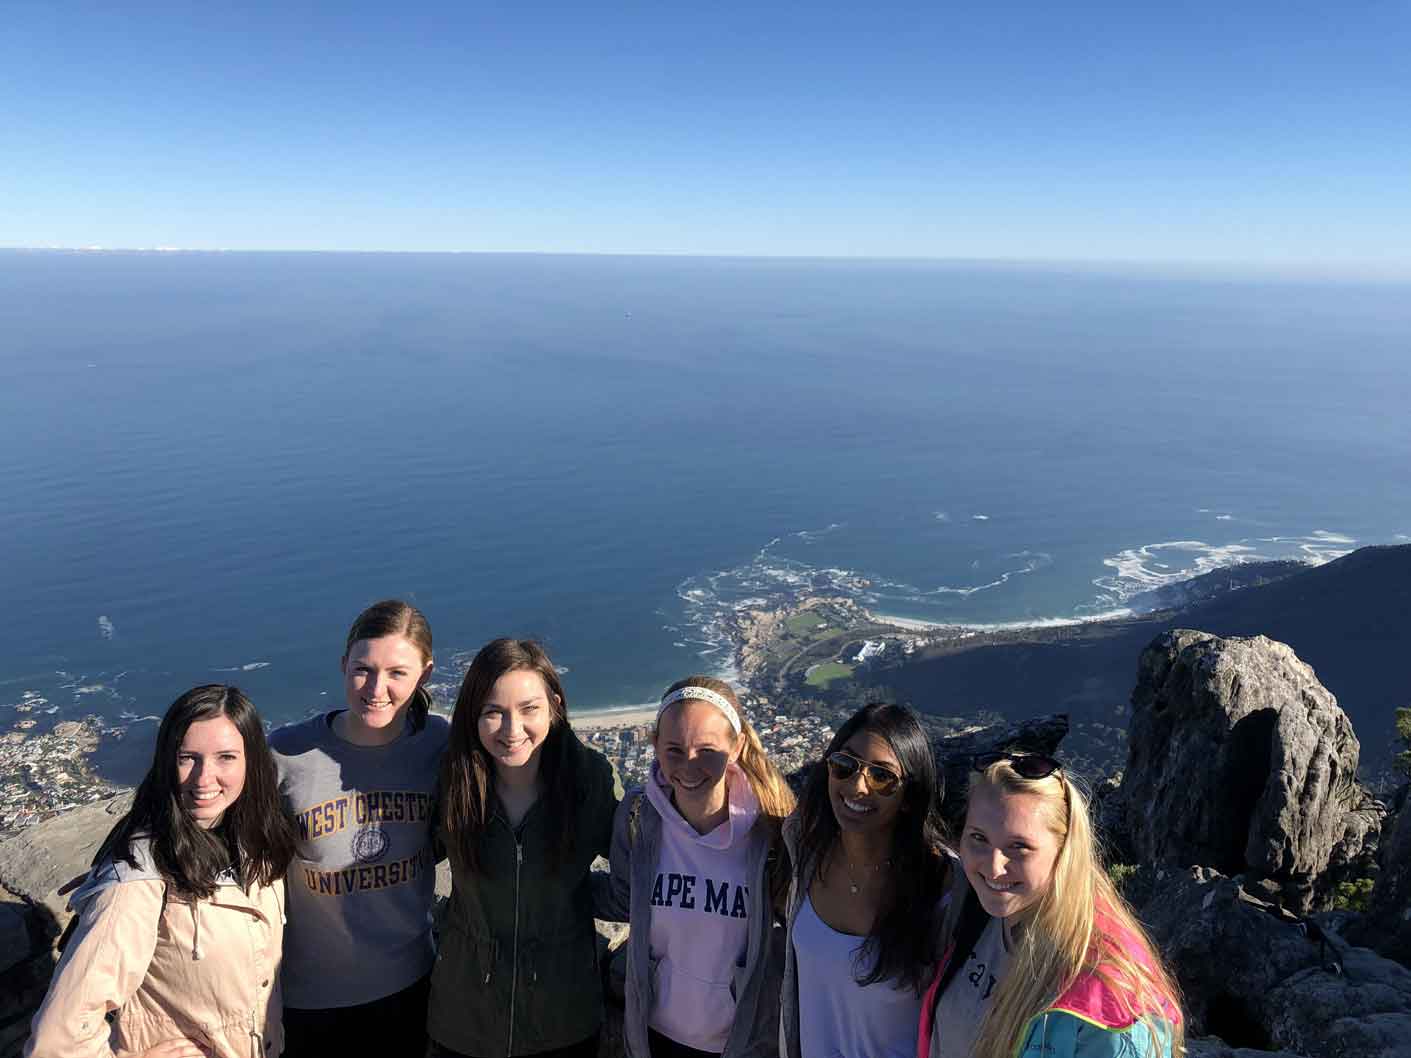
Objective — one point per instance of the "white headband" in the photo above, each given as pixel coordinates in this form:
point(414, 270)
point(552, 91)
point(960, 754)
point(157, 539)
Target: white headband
point(702, 694)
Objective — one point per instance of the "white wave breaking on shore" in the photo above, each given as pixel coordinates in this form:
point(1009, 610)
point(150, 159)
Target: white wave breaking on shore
point(1146, 568)
point(769, 579)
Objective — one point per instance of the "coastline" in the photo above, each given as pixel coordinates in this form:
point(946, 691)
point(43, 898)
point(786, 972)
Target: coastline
point(801, 659)
point(614, 717)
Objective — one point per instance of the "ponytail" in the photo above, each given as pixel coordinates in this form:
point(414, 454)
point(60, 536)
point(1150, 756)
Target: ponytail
point(776, 800)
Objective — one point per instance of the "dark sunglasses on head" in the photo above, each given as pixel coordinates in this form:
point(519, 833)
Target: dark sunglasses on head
point(843, 766)
point(1025, 765)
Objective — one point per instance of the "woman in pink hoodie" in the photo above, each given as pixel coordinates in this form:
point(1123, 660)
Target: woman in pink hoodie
point(180, 924)
point(695, 869)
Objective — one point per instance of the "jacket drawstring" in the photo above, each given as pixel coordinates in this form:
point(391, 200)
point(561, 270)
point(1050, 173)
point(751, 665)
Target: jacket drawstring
point(196, 952)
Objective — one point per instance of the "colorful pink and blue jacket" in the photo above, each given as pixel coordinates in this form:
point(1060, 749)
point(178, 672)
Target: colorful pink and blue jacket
point(1089, 1020)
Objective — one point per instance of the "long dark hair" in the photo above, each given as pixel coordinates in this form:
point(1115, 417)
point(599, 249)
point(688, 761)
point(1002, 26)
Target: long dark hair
point(254, 837)
point(393, 617)
point(901, 946)
point(468, 772)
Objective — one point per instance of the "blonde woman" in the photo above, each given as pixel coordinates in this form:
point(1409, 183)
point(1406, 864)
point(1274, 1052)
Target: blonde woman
point(696, 864)
point(1051, 962)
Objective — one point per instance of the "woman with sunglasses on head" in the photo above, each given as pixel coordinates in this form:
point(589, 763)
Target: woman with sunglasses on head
point(179, 926)
point(871, 884)
point(1048, 961)
point(526, 808)
point(361, 784)
point(696, 860)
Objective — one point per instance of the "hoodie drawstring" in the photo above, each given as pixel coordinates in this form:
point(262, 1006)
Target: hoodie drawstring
point(196, 953)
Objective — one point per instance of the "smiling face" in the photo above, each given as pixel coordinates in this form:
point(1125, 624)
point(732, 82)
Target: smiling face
point(856, 805)
point(1008, 849)
point(379, 677)
point(515, 718)
point(210, 769)
point(694, 746)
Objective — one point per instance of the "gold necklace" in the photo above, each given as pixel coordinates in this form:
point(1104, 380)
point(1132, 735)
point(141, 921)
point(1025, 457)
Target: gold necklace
point(853, 886)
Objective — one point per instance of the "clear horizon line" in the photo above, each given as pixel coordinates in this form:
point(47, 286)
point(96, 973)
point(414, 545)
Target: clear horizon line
point(1384, 271)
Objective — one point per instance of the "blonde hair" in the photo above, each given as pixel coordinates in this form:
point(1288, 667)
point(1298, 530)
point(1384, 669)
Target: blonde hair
point(776, 800)
point(1079, 925)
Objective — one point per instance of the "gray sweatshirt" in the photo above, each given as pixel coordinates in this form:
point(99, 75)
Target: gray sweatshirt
point(636, 856)
point(361, 886)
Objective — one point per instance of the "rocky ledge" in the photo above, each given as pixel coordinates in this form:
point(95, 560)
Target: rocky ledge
point(1238, 828)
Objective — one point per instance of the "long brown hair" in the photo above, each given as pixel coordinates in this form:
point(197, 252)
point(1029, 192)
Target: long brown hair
point(468, 772)
point(256, 837)
point(901, 945)
point(1080, 924)
point(393, 617)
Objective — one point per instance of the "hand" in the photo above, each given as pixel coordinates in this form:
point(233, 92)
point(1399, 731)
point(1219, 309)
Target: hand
point(177, 1047)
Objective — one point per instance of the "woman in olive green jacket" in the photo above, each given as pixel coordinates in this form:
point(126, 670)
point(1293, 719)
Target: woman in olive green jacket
point(525, 808)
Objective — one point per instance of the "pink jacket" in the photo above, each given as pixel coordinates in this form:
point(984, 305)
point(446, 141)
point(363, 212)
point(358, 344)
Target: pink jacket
point(168, 966)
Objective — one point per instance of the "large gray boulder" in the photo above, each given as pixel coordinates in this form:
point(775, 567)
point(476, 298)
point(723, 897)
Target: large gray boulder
point(1240, 760)
point(1256, 977)
point(36, 862)
point(1363, 1011)
point(1214, 1047)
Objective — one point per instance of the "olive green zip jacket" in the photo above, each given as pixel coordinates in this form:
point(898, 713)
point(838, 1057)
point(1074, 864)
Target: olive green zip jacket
point(517, 971)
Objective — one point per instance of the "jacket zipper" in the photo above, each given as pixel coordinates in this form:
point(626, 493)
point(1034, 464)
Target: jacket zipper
point(514, 964)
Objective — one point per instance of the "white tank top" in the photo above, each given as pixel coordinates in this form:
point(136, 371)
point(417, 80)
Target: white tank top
point(837, 1017)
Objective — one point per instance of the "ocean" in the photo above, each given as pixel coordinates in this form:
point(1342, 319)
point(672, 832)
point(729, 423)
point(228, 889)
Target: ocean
point(212, 461)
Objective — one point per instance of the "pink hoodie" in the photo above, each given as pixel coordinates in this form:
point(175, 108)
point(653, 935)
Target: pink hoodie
point(699, 930)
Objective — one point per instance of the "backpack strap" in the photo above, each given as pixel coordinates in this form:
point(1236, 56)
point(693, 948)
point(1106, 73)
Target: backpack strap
point(634, 817)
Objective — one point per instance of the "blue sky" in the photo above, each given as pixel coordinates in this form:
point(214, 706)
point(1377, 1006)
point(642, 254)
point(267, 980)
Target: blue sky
point(1274, 133)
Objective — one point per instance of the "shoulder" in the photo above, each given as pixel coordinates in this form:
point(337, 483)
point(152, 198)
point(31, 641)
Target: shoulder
point(436, 729)
point(114, 882)
point(791, 831)
point(298, 737)
point(594, 770)
point(1096, 1000)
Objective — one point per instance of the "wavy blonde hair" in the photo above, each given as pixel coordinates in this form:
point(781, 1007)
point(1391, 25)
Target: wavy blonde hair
point(776, 800)
point(1079, 925)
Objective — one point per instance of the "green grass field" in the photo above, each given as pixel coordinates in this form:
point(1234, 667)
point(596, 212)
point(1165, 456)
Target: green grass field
point(826, 673)
point(803, 623)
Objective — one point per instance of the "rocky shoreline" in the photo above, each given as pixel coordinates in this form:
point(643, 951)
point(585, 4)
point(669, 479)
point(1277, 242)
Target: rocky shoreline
point(44, 773)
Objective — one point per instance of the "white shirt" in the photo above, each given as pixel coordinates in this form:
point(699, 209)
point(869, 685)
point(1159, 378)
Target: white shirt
point(838, 1018)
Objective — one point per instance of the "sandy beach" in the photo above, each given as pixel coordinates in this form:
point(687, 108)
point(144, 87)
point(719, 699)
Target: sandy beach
point(630, 716)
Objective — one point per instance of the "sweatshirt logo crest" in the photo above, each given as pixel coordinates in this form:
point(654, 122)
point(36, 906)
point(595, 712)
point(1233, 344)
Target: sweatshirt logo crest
point(370, 844)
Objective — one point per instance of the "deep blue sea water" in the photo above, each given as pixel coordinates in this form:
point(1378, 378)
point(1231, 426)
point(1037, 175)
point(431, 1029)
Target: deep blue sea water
point(212, 462)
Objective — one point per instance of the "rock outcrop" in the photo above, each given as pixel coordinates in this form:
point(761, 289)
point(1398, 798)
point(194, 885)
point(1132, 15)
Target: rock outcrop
point(33, 866)
point(1240, 760)
point(1387, 924)
point(955, 753)
point(1256, 977)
